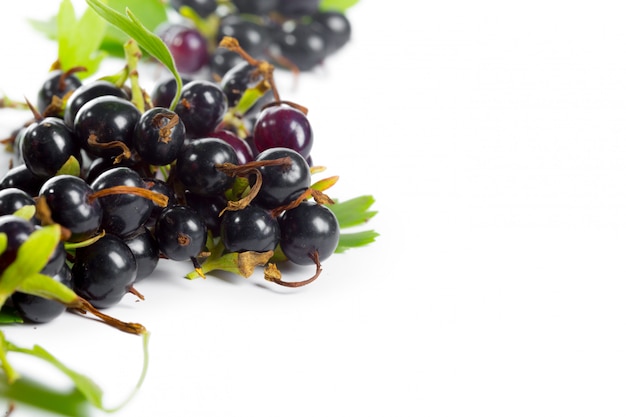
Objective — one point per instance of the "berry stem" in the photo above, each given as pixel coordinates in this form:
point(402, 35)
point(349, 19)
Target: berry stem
point(273, 275)
point(83, 306)
point(157, 198)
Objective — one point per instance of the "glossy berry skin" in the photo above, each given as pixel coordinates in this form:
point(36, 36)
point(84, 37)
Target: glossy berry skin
point(202, 107)
point(159, 136)
point(104, 271)
point(187, 45)
point(144, 246)
point(23, 178)
point(87, 92)
point(222, 61)
point(106, 119)
point(68, 198)
point(35, 309)
point(281, 185)
point(241, 147)
point(165, 90)
point(303, 45)
point(47, 145)
point(123, 213)
point(336, 29)
point(57, 83)
point(252, 36)
point(237, 80)
point(196, 166)
point(308, 228)
point(209, 209)
point(181, 233)
point(159, 186)
point(283, 126)
point(249, 229)
point(13, 199)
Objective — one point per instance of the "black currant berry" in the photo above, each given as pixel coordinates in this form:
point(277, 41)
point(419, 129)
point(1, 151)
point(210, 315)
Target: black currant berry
point(282, 184)
point(87, 92)
point(253, 36)
point(23, 178)
point(209, 208)
point(37, 309)
point(181, 233)
point(104, 126)
point(144, 246)
point(250, 229)
point(13, 199)
point(165, 90)
point(159, 136)
point(47, 145)
point(123, 212)
point(58, 83)
point(283, 126)
point(104, 271)
point(71, 204)
point(202, 107)
point(196, 166)
point(308, 231)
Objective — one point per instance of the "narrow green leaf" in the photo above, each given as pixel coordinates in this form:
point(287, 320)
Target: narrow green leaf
point(86, 388)
point(354, 240)
point(337, 5)
point(30, 392)
point(150, 42)
point(91, 391)
point(26, 212)
point(3, 242)
point(32, 256)
point(151, 13)
point(353, 212)
point(47, 287)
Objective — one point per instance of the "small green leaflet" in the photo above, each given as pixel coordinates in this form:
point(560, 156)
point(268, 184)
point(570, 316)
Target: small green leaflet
point(79, 40)
point(337, 5)
point(32, 256)
point(74, 403)
point(150, 42)
point(351, 213)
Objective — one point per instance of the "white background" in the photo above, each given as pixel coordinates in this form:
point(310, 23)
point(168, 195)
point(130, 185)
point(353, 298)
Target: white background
point(493, 136)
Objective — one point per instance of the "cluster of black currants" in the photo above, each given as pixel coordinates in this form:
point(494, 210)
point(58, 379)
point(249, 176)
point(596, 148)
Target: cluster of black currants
point(130, 187)
point(294, 34)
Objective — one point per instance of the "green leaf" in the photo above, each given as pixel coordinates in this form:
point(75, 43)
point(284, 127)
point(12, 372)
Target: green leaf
point(337, 5)
point(151, 13)
point(10, 315)
point(3, 242)
point(31, 392)
point(133, 27)
point(70, 167)
point(47, 287)
point(84, 384)
point(355, 240)
point(353, 212)
point(79, 40)
point(31, 257)
point(26, 212)
point(74, 403)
